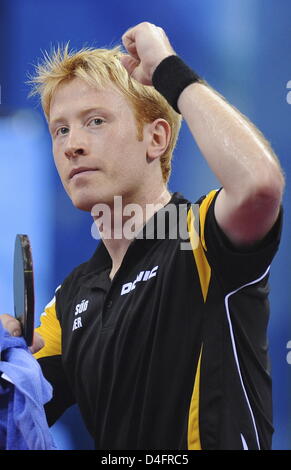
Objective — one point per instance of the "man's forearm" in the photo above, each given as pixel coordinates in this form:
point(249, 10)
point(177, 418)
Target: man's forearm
point(235, 150)
point(241, 159)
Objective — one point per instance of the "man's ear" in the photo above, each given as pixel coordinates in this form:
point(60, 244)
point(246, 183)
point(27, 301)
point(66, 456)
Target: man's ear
point(159, 138)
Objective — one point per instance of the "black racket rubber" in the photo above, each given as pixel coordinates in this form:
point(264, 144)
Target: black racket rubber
point(23, 286)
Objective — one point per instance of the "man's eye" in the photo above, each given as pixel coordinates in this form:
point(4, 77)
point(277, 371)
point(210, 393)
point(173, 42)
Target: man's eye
point(96, 122)
point(62, 131)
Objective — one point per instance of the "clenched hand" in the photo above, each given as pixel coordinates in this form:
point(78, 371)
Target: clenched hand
point(147, 45)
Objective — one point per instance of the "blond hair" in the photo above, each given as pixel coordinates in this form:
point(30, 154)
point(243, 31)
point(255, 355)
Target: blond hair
point(99, 67)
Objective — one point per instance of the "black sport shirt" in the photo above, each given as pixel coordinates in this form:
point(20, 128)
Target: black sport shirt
point(172, 354)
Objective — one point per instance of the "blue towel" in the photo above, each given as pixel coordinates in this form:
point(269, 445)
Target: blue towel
point(23, 392)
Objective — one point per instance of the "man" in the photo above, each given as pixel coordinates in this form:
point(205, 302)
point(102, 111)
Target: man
point(161, 347)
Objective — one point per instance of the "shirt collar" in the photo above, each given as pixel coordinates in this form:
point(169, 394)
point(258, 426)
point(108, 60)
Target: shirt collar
point(148, 235)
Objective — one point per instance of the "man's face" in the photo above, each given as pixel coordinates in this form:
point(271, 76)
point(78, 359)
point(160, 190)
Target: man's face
point(95, 145)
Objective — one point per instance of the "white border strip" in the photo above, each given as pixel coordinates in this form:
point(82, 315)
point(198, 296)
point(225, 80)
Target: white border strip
point(226, 302)
point(245, 446)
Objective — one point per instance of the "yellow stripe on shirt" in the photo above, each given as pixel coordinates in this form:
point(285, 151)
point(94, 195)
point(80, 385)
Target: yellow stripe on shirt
point(204, 272)
point(203, 212)
point(50, 331)
point(193, 420)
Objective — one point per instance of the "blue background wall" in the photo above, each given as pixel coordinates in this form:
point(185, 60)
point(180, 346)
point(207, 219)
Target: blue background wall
point(242, 48)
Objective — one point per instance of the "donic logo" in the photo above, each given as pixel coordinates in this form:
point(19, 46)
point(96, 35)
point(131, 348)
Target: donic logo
point(142, 276)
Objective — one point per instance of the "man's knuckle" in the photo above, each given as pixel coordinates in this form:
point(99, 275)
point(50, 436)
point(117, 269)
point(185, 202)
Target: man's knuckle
point(146, 24)
point(7, 320)
point(11, 325)
point(4, 316)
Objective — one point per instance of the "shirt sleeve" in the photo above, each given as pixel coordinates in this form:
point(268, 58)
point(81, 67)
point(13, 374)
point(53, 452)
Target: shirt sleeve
point(50, 360)
point(50, 331)
point(235, 266)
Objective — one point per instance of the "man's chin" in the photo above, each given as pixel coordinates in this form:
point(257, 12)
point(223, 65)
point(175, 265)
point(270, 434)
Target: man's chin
point(88, 205)
point(82, 205)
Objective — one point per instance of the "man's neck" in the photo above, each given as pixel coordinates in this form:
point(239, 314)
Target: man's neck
point(118, 232)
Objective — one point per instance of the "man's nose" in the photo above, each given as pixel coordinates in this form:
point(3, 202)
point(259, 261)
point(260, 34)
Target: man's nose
point(75, 145)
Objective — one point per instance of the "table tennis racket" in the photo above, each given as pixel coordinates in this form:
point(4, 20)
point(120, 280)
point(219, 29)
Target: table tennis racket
point(23, 286)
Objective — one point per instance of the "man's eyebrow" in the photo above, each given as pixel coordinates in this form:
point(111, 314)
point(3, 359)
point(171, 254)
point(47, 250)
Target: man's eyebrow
point(84, 112)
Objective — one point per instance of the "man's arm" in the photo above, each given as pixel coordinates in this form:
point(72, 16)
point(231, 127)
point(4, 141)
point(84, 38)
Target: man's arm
point(242, 160)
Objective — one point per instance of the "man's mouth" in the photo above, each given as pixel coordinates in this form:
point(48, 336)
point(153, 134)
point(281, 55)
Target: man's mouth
point(79, 170)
